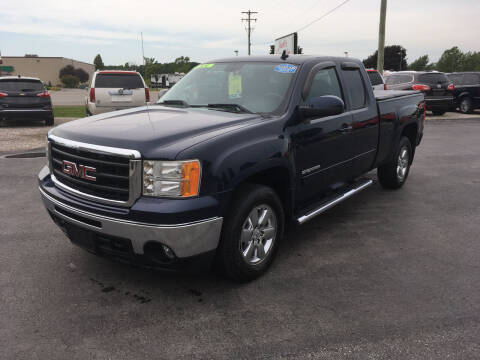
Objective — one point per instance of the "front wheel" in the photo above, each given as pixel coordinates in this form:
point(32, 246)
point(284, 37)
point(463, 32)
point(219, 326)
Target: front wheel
point(251, 233)
point(394, 174)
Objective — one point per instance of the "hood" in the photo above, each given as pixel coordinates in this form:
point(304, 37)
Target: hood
point(156, 131)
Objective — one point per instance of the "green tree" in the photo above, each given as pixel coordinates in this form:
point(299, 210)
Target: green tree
point(70, 81)
point(98, 62)
point(471, 61)
point(451, 60)
point(420, 64)
point(395, 58)
point(81, 74)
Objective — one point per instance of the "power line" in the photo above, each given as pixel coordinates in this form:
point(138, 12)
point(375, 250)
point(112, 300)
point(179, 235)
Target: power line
point(324, 15)
point(249, 28)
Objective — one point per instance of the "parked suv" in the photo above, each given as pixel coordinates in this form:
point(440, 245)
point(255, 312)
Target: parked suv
point(24, 98)
point(436, 86)
point(116, 90)
point(376, 79)
point(467, 90)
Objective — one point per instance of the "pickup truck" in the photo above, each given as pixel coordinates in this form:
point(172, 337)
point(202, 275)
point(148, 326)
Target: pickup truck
point(232, 154)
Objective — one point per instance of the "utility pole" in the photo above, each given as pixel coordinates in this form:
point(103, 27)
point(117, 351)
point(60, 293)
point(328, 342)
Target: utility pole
point(381, 36)
point(249, 29)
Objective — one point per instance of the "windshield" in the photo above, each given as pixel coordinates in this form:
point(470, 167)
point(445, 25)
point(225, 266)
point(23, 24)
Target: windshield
point(257, 87)
point(21, 85)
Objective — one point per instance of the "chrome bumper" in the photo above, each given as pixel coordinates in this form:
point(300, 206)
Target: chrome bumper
point(184, 239)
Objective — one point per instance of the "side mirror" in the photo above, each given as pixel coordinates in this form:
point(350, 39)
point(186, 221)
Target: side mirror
point(322, 106)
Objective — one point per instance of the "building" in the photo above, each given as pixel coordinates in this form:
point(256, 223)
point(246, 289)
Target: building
point(46, 69)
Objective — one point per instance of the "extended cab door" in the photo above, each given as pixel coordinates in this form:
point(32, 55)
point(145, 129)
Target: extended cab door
point(361, 104)
point(322, 146)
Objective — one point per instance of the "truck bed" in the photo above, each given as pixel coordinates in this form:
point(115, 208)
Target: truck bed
point(382, 95)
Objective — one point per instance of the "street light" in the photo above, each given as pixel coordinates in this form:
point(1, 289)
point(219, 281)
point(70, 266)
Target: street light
point(401, 59)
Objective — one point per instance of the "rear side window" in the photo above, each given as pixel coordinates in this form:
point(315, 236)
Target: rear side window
point(457, 79)
point(471, 79)
point(21, 85)
point(375, 78)
point(395, 79)
point(325, 82)
point(433, 78)
point(125, 81)
point(355, 88)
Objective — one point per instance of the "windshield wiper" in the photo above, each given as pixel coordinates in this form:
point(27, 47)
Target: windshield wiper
point(174, 103)
point(229, 107)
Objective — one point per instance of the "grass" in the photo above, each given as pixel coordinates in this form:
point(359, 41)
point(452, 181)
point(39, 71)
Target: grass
point(69, 111)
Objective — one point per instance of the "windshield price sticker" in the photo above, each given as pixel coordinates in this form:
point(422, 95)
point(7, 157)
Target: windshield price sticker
point(234, 86)
point(205, 66)
point(285, 68)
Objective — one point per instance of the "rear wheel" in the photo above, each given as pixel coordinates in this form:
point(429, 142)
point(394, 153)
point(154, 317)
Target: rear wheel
point(251, 233)
point(394, 174)
point(465, 105)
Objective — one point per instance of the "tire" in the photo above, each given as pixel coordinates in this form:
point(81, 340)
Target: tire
point(465, 106)
point(247, 247)
point(438, 112)
point(394, 174)
point(49, 122)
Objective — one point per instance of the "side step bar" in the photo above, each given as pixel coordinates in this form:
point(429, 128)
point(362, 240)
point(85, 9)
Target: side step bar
point(357, 187)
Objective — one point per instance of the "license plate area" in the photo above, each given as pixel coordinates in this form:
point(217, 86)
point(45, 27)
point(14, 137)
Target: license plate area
point(121, 98)
point(81, 237)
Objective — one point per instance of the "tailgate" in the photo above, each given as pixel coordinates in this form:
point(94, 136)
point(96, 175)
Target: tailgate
point(116, 89)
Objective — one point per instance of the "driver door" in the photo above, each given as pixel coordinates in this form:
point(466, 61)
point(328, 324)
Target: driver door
point(322, 155)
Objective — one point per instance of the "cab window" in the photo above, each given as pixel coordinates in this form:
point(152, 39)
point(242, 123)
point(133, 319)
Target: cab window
point(325, 82)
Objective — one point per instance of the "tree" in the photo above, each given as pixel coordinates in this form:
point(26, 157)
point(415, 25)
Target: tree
point(451, 60)
point(98, 62)
point(420, 64)
point(395, 58)
point(471, 61)
point(67, 70)
point(81, 74)
point(69, 81)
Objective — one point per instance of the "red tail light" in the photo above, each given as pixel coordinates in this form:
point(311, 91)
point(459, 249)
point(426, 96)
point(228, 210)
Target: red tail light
point(147, 95)
point(44, 94)
point(384, 86)
point(2, 94)
point(421, 87)
point(92, 95)
point(451, 87)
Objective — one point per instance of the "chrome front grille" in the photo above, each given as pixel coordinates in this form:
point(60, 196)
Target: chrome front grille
point(117, 172)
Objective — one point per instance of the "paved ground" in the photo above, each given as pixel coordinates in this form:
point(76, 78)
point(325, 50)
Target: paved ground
point(385, 275)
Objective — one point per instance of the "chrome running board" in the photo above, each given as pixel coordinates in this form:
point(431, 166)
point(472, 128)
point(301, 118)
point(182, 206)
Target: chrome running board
point(355, 188)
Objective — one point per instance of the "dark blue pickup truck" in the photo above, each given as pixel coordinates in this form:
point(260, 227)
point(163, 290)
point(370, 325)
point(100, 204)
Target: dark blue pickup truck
point(236, 150)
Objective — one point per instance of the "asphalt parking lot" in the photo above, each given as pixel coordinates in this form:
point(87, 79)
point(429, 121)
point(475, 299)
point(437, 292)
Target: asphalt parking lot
point(384, 275)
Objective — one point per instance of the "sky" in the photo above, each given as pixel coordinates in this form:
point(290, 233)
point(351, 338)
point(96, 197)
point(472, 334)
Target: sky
point(210, 29)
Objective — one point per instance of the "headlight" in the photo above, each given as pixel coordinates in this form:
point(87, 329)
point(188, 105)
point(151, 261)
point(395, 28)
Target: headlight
point(171, 178)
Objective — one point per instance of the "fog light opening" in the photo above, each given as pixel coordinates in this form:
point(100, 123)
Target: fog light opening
point(159, 252)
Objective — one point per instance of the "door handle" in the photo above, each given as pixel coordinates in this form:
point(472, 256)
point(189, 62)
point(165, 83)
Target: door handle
point(346, 128)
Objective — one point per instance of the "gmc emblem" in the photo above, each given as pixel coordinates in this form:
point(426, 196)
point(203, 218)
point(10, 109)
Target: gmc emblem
point(80, 171)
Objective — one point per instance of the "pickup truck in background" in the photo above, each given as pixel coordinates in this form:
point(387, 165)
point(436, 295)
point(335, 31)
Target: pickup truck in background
point(236, 150)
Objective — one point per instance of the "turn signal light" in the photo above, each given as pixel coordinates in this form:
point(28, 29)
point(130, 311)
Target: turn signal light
point(421, 87)
point(2, 94)
point(92, 95)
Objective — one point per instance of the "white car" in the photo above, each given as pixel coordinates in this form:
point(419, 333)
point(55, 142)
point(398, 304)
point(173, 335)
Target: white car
point(112, 90)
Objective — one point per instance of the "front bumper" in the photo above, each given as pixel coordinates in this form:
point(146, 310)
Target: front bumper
point(11, 114)
point(186, 239)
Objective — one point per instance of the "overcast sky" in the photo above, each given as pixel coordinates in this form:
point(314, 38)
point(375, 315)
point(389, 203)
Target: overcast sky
point(210, 29)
